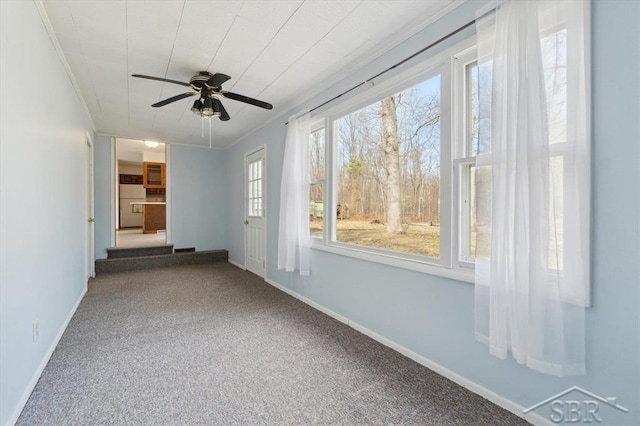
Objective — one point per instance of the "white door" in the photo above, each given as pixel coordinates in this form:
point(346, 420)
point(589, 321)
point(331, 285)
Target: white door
point(91, 269)
point(255, 235)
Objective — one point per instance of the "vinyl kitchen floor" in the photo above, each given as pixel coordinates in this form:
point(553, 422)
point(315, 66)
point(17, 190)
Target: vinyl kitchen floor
point(133, 237)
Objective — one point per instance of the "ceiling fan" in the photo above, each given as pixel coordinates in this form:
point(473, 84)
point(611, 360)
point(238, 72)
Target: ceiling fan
point(209, 88)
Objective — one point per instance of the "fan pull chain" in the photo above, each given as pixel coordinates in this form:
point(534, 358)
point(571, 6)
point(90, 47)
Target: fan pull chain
point(202, 128)
point(209, 133)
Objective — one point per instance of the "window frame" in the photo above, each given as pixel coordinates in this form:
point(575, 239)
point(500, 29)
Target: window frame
point(316, 126)
point(456, 146)
point(441, 64)
point(463, 154)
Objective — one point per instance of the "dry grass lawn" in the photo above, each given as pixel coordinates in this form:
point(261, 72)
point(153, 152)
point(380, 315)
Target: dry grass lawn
point(417, 238)
point(420, 239)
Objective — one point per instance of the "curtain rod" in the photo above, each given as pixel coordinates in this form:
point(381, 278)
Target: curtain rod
point(424, 49)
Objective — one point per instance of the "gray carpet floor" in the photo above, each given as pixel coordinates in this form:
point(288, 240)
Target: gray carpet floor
point(212, 344)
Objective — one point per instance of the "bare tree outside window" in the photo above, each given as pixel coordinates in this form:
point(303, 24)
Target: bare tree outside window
point(391, 147)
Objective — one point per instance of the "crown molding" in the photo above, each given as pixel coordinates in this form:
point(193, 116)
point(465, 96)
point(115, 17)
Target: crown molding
point(56, 45)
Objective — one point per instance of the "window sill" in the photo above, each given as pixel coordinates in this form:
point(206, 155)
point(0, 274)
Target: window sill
point(398, 262)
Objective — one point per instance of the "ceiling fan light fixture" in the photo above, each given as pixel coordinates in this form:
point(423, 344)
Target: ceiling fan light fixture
point(216, 108)
point(151, 144)
point(197, 107)
point(207, 109)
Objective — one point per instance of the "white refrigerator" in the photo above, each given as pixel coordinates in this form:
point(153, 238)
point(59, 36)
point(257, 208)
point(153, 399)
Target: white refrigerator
point(131, 215)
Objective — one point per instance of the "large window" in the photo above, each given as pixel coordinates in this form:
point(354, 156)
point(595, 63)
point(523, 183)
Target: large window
point(380, 172)
point(394, 175)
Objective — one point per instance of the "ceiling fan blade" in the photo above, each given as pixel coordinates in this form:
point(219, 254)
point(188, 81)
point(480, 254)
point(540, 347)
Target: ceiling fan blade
point(217, 79)
point(224, 115)
point(166, 80)
point(173, 99)
point(247, 100)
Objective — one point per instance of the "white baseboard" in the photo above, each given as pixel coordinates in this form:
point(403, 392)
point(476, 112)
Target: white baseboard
point(487, 394)
point(236, 264)
point(309, 302)
point(36, 376)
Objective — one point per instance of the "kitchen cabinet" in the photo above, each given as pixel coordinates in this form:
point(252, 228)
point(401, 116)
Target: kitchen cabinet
point(154, 218)
point(126, 179)
point(153, 175)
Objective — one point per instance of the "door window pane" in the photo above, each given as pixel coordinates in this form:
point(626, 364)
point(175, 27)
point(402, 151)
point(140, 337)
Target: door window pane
point(254, 189)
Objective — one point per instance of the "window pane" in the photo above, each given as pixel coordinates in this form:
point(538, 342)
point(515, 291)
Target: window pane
point(316, 155)
point(554, 62)
point(254, 189)
point(475, 232)
point(475, 211)
point(479, 107)
point(556, 203)
point(388, 172)
point(316, 209)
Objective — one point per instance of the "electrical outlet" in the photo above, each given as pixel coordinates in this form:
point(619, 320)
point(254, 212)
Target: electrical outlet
point(36, 330)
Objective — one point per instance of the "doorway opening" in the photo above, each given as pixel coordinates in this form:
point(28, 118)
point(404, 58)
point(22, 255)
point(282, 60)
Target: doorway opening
point(140, 193)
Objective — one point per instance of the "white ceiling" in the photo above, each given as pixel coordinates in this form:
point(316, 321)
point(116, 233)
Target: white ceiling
point(281, 52)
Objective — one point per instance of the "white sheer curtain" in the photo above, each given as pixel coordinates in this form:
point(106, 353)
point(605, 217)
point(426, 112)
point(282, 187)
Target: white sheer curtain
point(293, 233)
point(532, 281)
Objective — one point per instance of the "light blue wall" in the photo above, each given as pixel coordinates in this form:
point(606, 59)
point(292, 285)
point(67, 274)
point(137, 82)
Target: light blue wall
point(198, 194)
point(198, 179)
point(43, 223)
point(433, 316)
point(43, 195)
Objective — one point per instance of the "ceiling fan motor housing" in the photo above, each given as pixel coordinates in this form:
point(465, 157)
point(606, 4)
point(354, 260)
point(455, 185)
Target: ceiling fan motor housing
point(197, 82)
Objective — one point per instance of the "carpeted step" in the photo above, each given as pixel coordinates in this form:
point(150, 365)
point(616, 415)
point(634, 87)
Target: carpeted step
point(141, 263)
point(119, 253)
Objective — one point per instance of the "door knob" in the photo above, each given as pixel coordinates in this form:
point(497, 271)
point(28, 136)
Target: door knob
point(91, 220)
point(246, 222)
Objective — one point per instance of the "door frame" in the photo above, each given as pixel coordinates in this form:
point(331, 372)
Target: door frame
point(247, 154)
point(115, 182)
point(91, 230)
point(113, 203)
point(167, 192)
